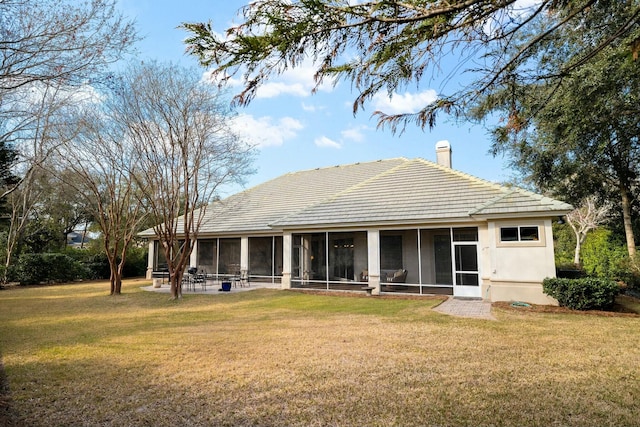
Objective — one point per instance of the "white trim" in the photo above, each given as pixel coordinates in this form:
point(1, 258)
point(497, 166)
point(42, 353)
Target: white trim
point(542, 239)
point(460, 290)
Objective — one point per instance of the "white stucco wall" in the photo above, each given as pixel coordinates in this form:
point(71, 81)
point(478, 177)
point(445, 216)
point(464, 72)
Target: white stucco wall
point(514, 271)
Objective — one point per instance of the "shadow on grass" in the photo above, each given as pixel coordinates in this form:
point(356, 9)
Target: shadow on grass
point(7, 416)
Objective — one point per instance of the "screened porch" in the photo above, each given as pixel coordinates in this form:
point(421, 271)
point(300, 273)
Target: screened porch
point(411, 261)
point(222, 258)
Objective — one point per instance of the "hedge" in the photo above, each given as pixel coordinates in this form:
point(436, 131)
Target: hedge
point(73, 265)
point(46, 268)
point(586, 293)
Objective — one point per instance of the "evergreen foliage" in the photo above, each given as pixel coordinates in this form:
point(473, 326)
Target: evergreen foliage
point(382, 46)
point(582, 294)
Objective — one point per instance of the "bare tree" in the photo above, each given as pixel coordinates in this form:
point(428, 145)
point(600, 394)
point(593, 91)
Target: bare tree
point(46, 107)
point(96, 162)
point(23, 204)
point(59, 40)
point(48, 44)
point(183, 150)
point(586, 217)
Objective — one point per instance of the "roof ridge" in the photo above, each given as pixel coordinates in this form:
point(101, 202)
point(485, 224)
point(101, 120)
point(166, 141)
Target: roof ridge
point(342, 166)
point(463, 174)
point(506, 190)
point(333, 196)
point(492, 201)
point(247, 190)
point(371, 178)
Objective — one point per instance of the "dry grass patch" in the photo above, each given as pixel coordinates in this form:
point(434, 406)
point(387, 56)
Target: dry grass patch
point(75, 356)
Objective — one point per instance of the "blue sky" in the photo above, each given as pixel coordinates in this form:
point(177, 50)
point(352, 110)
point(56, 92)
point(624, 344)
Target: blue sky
point(295, 130)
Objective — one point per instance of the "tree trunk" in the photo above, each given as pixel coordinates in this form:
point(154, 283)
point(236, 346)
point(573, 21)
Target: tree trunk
point(116, 285)
point(176, 286)
point(114, 278)
point(626, 217)
point(112, 282)
point(576, 255)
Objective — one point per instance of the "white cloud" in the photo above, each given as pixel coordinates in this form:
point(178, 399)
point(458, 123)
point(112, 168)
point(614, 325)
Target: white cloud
point(265, 131)
point(407, 103)
point(354, 133)
point(526, 3)
point(230, 82)
point(274, 89)
point(323, 141)
point(296, 81)
point(310, 108)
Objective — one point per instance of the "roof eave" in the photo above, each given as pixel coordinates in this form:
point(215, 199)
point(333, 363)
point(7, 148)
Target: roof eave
point(513, 215)
point(378, 224)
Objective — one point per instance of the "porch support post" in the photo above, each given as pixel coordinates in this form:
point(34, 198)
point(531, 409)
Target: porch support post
point(150, 257)
point(373, 262)
point(193, 258)
point(287, 239)
point(244, 253)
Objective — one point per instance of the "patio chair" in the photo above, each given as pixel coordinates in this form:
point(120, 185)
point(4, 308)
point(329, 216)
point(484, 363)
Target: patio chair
point(188, 282)
point(244, 278)
point(398, 276)
point(235, 279)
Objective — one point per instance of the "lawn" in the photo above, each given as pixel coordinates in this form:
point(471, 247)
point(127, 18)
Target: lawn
point(75, 356)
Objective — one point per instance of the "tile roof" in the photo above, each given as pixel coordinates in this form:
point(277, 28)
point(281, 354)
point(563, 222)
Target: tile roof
point(386, 191)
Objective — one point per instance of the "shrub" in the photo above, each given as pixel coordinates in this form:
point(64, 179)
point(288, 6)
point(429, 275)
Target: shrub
point(582, 294)
point(48, 267)
point(97, 265)
point(601, 255)
point(136, 265)
point(564, 242)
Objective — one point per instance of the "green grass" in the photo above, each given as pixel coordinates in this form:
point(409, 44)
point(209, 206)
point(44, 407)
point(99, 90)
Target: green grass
point(75, 356)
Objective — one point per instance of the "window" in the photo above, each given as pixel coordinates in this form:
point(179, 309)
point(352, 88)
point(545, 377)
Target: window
point(529, 233)
point(520, 234)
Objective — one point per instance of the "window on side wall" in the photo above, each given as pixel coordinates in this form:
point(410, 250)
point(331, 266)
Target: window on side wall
point(529, 233)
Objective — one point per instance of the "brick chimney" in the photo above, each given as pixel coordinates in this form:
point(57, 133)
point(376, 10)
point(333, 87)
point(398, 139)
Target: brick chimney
point(443, 153)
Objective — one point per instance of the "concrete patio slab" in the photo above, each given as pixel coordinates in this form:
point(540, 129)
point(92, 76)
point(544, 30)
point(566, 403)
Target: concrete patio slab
point(461, 307)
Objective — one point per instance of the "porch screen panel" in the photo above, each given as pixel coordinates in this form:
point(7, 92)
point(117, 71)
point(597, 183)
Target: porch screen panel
point(208, 256)
point(229, 256)
point(442, 259)
point(296, 257)
point(160, 259)
point(260, 256)
point(390, 251)
point(341, 249)
point(348, 256)
point(278, 256)
point(468, 234)
point(309, 257)
point(317, 257)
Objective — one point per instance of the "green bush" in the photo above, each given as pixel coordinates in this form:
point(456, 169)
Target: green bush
point(602, 256)
point(47, 268)
point(97, 264)
point(564, 242)
point(587, 293)
point(136, 264)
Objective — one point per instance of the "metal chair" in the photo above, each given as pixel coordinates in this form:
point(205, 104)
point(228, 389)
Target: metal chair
point(244, 278)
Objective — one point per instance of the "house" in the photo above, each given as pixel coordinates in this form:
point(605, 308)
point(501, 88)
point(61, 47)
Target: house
point(400, 225)
point(78, 239)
